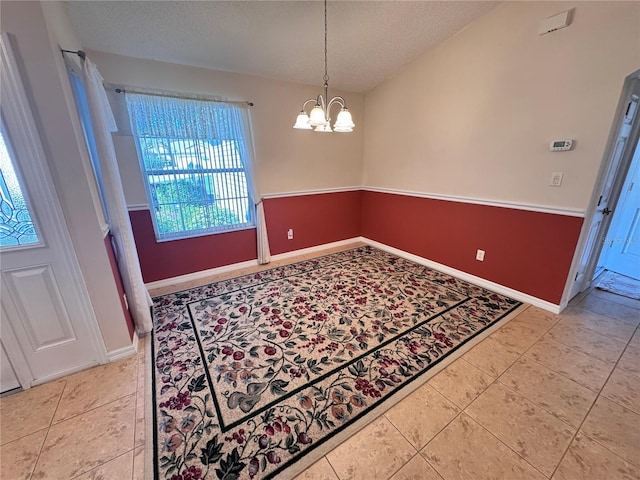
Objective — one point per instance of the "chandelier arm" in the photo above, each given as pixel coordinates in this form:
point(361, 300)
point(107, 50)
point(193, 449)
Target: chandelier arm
point(339, 100)
point(304, 105)
point(320, 100)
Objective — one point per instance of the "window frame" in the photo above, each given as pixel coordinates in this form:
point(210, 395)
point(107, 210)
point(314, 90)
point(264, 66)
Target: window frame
point(79, 93)
point(202, 172)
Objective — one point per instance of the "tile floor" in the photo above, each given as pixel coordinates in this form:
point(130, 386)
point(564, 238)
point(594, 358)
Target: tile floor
point(86, 426)
point(545, 396)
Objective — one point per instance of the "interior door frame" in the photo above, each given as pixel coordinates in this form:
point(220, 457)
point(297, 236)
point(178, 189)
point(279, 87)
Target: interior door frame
point(604, 259)
point(20, 121)
point(616, 189)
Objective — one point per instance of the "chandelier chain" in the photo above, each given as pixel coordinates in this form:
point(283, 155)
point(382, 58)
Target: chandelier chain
point(319, 119)
point(326, 75)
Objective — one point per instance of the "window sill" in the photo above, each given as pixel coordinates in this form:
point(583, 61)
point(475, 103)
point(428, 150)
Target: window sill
point(205, 234)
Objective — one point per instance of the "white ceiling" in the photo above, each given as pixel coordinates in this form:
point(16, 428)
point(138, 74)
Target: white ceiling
point(368, 40)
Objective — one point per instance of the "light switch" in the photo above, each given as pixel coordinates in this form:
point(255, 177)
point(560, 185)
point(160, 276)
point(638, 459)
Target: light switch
point(556, 179)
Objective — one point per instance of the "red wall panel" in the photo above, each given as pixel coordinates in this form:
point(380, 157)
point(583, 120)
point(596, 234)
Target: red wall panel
point(118, 278)
point(315, 219)
point(160, 260)
point(528, 251)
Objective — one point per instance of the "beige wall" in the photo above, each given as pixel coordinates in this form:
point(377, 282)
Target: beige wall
point(287, 160)
point(37, 29)
point(474, 117)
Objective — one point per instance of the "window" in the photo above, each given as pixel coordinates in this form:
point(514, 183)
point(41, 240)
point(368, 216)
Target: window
point(82, 108)
point(192, 155)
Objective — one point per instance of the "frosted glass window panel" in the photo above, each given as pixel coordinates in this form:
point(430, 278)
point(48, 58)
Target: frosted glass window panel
point(16, 223)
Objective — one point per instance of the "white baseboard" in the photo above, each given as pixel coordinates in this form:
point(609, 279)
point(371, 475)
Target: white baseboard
point(124, 352)
point(316, 249)
point(189, 277)
point(202, 274)
point(136, 341)
point(481, 282)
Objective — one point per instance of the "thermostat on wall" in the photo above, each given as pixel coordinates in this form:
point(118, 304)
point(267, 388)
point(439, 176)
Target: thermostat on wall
point(561, 145)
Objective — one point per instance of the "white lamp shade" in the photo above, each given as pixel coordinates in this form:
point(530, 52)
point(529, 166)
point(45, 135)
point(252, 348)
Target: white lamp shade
point(323, 128)
point(316, 117)
point(302, 122)
point(344, 122)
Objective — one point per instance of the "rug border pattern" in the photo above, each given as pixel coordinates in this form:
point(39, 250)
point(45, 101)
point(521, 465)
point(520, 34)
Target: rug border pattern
point(366, 416)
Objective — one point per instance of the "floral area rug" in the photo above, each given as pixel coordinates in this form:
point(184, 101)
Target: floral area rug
point(256, 374)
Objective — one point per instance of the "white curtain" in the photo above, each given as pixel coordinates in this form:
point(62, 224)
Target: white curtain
point(103, 124)
point(241, 123)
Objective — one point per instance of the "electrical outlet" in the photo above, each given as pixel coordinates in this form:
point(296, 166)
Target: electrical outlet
point(290, 234)
point(480, 255)
point(556, 179)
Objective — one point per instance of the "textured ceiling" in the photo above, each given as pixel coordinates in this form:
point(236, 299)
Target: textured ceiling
point(368, 40)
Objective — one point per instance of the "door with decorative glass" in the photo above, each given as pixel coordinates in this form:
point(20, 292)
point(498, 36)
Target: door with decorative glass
point(48, 328)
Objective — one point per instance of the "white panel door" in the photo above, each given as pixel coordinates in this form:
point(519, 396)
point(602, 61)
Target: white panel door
point(602, 208)
point(47, 323)
point(621, 252)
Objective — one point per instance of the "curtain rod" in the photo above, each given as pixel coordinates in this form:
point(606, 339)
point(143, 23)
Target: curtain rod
point(175, 95)
point(81, 53)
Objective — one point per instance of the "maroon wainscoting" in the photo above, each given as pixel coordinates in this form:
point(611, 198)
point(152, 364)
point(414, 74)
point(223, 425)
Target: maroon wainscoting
point(315, 219)
point(528, 251)
point(160, 260)
point(118, 278)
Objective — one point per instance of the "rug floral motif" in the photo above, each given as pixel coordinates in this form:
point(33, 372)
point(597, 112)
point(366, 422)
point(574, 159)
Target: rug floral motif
point(253, 373)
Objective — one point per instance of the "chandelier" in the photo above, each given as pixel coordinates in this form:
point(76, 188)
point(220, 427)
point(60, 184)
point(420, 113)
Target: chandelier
point(319, 118)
